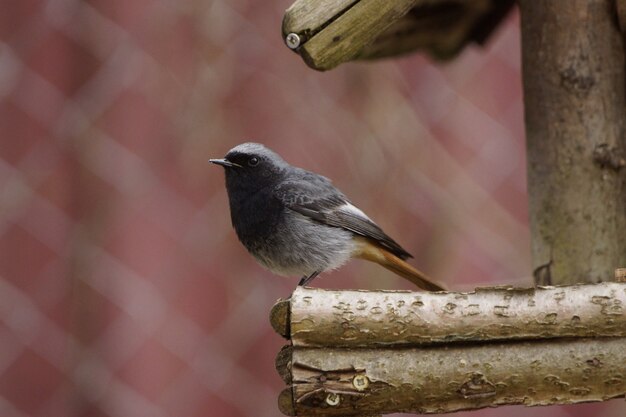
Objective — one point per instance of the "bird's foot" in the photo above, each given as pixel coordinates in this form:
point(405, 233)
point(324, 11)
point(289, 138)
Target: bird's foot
point(306, 279)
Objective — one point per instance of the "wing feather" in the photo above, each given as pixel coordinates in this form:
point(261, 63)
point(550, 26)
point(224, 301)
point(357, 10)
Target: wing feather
point(315, 197)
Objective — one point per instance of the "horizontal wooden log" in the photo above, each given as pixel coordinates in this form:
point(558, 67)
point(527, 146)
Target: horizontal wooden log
point(318, 317)
point(458, 377)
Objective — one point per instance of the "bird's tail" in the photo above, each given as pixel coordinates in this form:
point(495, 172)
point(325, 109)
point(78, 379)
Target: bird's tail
point(368, 250)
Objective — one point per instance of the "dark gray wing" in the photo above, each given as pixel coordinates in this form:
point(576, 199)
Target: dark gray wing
point(314, 196)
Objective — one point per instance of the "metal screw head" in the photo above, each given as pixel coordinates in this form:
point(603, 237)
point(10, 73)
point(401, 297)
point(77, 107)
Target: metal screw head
point(333, 399)
point(360, 382)
point(292, 40)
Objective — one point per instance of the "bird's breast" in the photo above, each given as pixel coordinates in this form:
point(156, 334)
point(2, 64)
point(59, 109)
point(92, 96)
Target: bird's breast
point(255, 217)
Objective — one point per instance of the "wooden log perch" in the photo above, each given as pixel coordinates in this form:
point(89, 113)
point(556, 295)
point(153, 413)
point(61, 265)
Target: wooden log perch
point(327, 33)
point(318, 317)
point(379, 352)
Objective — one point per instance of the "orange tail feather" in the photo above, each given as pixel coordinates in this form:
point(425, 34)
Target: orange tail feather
point(369, 251)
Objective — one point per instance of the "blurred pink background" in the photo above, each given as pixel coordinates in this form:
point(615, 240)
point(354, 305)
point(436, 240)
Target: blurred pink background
point(123, 289)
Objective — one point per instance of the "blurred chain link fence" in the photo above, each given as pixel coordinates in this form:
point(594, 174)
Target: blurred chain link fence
point(123, 291)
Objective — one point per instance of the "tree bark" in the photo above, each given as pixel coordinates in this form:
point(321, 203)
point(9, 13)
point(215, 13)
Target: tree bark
point(345, 382)
point(329, 318)
point(575, 105)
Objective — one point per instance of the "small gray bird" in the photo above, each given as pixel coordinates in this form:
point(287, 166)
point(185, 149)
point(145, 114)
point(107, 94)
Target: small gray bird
point(295, 222)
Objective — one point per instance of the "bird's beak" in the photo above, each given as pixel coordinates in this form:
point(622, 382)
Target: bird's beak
point(224, 163)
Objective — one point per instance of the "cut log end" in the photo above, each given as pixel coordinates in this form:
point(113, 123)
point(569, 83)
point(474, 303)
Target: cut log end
point(279, 317)
point(285, 402)
point(283, 363)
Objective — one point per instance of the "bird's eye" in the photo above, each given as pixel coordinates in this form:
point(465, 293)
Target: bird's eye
point(254, 161)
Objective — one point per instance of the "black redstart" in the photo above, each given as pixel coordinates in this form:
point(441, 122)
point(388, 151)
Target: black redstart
point(295, 222)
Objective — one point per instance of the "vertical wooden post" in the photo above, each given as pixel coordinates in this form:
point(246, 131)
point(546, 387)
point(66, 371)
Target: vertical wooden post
point(575, 104)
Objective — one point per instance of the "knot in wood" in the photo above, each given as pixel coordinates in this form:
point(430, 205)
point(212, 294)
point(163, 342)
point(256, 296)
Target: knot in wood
point(477, 387)
point(577, 78)
point(606, 156)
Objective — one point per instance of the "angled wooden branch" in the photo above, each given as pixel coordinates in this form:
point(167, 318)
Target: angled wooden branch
point(327, 33)
point(378, 352)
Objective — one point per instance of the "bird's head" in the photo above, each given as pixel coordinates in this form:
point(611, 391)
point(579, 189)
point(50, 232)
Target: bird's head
point(250, 167)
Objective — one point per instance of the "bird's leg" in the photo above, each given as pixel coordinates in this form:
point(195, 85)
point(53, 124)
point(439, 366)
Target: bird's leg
point(305, 280)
